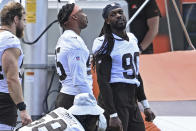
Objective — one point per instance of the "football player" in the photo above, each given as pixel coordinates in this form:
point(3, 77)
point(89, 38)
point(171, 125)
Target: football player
point(116, 55)
point(11, 57)
point(59, 119)
point(71, 56)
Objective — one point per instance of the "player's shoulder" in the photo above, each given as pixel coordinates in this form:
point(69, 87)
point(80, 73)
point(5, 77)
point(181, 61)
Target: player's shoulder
point(132, 37)
point(97, 43)
point(8, 40)
point(70, 35)
point(8, 36)
point(69, 40)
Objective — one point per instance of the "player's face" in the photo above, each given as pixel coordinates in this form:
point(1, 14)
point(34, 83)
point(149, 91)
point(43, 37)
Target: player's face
point(82, 19)
point(20, 26)
point(117, 19)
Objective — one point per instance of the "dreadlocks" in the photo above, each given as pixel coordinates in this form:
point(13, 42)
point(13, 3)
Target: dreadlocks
point(108, 42)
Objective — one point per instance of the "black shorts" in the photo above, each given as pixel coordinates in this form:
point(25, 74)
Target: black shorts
point(64, 100)
point(8, 110)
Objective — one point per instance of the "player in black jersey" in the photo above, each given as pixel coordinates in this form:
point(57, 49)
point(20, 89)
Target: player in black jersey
point(116, 55)
point(145, 26)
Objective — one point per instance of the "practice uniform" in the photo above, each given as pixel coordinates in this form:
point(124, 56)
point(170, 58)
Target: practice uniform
point(120, 71)
point(59, 119)
point(71, 64)
point(8, 110)
point(139, 25)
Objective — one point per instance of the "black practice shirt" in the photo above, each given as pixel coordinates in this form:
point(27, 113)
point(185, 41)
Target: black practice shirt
point(139, 25)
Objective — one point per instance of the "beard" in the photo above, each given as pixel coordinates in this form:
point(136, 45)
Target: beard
point(83, 23)
point(83, 26)
point(19, 32)
point(119, 25)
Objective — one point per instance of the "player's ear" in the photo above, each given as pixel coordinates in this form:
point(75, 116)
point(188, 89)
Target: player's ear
point(107, 21)
point(74, 17)
point(16, 19)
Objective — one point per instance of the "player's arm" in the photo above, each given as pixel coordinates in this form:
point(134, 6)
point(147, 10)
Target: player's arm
point(152, 13)
point(140, 90)
point(141, 94)
point(10, 68)
point(149, 115)
point(153, 27)
point(103, 64)
point(103, 69)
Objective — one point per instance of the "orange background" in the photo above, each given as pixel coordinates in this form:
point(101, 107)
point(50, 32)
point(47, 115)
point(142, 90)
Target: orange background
point(169, 76)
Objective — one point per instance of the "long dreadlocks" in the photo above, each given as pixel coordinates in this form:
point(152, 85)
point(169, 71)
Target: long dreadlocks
point(108, 42)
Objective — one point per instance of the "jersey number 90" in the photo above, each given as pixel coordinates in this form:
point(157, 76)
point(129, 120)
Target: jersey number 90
point(128, 64)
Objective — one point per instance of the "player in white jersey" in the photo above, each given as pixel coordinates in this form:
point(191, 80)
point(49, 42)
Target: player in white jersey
point(71, 56)
point(11, 56)
point(80, 117)
point(116, 55)
point(57, 120)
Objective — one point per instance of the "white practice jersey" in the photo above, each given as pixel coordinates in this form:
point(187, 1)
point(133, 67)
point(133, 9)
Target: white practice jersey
point(8, 40)
point(71, 64)
point(125, 59)
point(59, 119)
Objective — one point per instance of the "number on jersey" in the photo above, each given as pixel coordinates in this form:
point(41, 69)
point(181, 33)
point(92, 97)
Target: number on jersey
point(1, 75)
point(128, 64)
point(62, 75)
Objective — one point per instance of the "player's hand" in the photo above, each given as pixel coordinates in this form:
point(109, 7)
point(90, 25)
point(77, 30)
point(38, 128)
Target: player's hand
point(115, 124)
point(149, 115)
point(26, 119)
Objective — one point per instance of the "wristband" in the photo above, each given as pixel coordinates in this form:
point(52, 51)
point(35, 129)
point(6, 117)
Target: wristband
point(21, 106)
point(145, 104)
point(113, 115)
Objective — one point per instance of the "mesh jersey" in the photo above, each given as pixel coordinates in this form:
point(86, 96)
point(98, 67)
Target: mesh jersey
point(125, 59)
point(71, 64)
point(8, 40)
point(59, 119)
